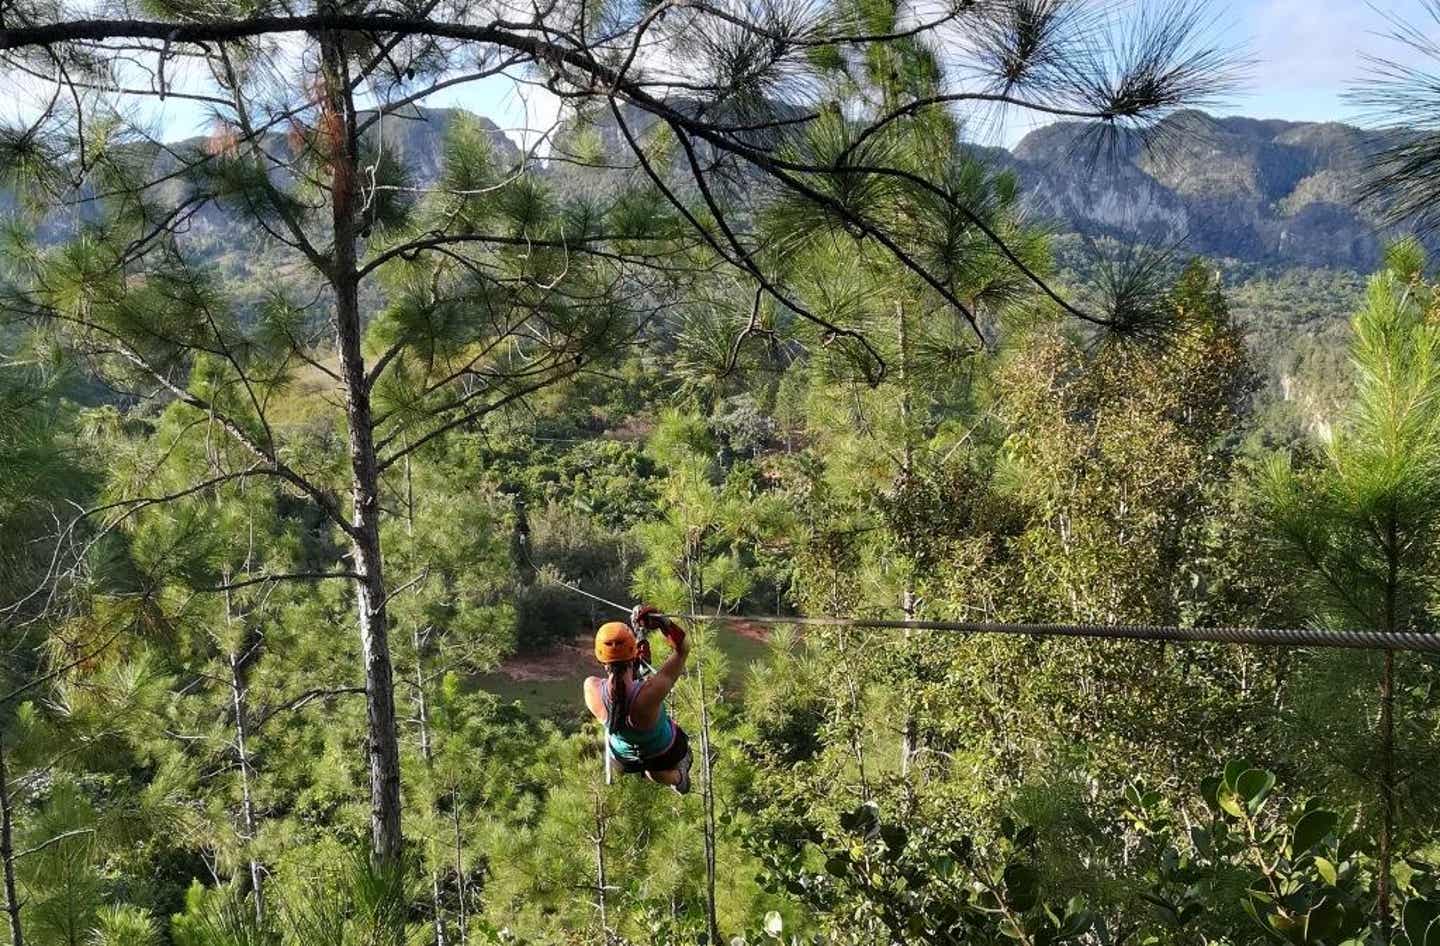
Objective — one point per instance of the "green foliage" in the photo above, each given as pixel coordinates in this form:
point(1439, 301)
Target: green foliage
point(1008, 469)
point(1298, 873)
point(872, 879)
point(1361, 523)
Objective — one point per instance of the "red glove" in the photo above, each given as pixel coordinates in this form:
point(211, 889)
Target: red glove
point(645, 616)
point(673, 633)
point(649, 616)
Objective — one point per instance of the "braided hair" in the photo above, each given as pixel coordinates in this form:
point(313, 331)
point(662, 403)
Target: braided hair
point(615, 705)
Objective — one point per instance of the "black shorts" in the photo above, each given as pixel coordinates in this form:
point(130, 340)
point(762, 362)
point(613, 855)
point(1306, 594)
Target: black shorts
point(666, 761)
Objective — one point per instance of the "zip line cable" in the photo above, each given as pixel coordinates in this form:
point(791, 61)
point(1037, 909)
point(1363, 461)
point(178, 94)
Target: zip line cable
point(523, 536)
point(1259, 636)
point(1262, 636)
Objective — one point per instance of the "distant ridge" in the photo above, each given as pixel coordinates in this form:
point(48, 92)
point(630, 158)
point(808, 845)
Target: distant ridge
point(1260, 191)
point(1267, 192)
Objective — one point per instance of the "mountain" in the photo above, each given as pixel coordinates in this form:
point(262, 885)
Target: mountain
point(415, 138)
point(1272, 202)
point(1273, 194)
point(1276, 193)
point(1268, 193)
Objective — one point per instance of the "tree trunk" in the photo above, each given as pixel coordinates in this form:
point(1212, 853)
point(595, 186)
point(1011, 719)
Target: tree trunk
point(339, 137)
point(1387, 735)
point(907, 469)
point(600, 868)
point(857, 745)
point(419, 638)
point(707, 794)
point(908, 736)
point(238, 691)
point(708, 797)
point(422, 705)
point(427, 753)
point(1387, 789)
point(7, 854)
point(462, 887)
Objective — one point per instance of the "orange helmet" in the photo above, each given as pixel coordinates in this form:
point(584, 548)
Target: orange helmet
point(615, 642)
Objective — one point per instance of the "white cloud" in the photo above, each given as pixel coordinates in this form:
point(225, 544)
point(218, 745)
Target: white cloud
point(1322, 45)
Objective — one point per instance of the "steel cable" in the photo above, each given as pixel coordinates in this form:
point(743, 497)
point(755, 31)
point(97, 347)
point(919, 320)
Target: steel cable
point(1415, 641)
point(1262, 636)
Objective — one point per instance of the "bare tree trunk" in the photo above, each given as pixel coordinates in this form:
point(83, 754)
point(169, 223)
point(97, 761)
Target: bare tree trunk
point(600, 878)
point(463, 887)
point(7, 854)
point(857, 742)
point(907, 468)
point(427, 753)
point(339, 137)
point(422, 705)
point(908, 735)
point(238, 692)
point(708, 797)
point(707, 794)
point(419, 639)
point(1387, 789)
point(1387, 739)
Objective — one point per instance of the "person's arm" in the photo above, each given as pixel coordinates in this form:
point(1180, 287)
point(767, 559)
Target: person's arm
point(664, 679)
point(661, 682)
point(593, 702)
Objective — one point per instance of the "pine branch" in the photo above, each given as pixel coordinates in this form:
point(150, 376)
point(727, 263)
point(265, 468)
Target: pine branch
point(277, 466)
point(743, 261)
point(282, 576)
point(64, 668)
point(65, 836)
point(552, 46)
point(301, 699)
point(471, 416)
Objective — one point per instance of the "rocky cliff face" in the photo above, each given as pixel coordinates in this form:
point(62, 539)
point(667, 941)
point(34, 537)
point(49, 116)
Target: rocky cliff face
point(1266, 192)
point(1259, 191)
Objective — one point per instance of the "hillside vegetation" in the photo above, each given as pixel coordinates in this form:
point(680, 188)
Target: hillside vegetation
point(330, 439)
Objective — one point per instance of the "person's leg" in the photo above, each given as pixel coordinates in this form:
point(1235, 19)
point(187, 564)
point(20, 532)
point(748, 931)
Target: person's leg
point(677, 778)
point(673, 766)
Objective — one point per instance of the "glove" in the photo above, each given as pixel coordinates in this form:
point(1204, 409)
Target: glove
point(649, 616)
point(673, 633)
point(646, 616)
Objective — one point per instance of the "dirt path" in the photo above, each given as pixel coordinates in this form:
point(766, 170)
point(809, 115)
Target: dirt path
point(565, 661)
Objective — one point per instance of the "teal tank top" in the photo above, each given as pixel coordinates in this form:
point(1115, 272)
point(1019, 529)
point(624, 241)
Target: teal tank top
point(637, 745)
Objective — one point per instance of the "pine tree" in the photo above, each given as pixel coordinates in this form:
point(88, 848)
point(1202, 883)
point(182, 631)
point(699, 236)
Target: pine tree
point(1362, 522)
point(493, 287)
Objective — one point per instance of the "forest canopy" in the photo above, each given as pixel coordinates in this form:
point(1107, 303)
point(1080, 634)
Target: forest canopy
point(311, 446)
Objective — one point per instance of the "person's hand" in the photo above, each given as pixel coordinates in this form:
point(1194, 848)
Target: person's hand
point(674, 633)
point(646, 616)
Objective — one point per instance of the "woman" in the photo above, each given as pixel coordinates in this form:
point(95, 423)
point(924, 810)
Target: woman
point(643, 737)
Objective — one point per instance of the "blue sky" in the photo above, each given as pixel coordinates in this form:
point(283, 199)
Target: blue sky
point(1305, 54)
point(1307, 51)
